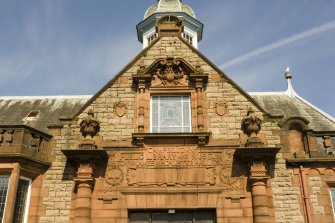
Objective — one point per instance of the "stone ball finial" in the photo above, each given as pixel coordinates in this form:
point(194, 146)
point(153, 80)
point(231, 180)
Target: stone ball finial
point(89, 126)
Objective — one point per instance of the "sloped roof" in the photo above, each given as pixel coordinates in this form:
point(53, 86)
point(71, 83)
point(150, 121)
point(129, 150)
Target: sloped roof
point(14, 110)
point(295, 106)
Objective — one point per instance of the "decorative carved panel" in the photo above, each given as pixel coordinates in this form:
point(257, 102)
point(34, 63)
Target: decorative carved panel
point(180, 167)
point(170, 72)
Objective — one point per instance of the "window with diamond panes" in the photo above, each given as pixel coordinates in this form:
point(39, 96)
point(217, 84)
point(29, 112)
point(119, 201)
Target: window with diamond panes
point(4, 180)
point(170, 114)
point(21, 200)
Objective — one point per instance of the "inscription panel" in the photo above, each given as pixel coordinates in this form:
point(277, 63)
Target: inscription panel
point(172, 166)
point(171, 157)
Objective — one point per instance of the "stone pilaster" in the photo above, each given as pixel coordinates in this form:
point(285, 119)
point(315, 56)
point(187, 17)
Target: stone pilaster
point(200, 112)
point(258, 159)
point(86, 160)
point(258, 179)
point(84, 183)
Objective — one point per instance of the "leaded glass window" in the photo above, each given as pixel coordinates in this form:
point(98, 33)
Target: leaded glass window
point(170, 114)
point(21, 200)
point(4, 180)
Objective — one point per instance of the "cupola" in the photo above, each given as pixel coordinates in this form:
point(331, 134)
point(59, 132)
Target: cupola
point(146, 30)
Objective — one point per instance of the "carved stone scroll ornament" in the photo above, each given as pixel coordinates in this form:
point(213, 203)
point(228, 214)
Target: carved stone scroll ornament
point(251, 125)
point(169, 73)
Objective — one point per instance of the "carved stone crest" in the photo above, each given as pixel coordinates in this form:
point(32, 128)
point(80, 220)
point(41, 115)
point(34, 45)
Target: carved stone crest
point(221, 108)
point(120, 109)
point(169, 73)
point(114, 177)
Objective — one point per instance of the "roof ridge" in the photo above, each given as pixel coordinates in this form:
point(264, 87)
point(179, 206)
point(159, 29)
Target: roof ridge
point(268, 93)
point(44, 97)
point(315, 108)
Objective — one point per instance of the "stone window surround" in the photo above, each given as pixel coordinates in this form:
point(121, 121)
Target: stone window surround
point(303, 124)
point(165, 92)
point(162, 95)
point(13, 170)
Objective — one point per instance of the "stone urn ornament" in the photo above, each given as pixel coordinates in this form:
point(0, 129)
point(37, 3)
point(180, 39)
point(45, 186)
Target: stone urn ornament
point(251, 125)
point(89, 127)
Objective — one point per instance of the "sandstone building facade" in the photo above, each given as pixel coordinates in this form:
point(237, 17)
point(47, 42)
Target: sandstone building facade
point(169, 138)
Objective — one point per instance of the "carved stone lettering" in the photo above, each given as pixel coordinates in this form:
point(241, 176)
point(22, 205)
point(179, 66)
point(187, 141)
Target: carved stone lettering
point(172, 157)
point(183, 167)
point(170, 177)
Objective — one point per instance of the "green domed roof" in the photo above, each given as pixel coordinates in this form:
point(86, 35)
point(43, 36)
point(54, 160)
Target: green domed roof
point(169, 6)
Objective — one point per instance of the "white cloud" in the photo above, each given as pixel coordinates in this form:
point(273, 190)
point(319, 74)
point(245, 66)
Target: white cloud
point(278, 44)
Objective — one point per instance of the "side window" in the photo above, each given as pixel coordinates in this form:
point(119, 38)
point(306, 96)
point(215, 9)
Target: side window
point(188, 37)
point(4, 180)
point(170, 114)
point(332, 197)
point(152, 38)
point(21, 201)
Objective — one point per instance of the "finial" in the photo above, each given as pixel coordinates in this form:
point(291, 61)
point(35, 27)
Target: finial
point(288, 73)
point(290, 91)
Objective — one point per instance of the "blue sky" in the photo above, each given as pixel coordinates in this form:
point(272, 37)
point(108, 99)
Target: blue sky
point(65, 47)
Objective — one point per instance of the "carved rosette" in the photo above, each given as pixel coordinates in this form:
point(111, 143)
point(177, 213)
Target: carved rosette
point(89, 126)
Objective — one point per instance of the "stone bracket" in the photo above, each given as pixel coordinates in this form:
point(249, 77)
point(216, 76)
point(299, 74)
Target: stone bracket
point(109, 198)
point(85, 155)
